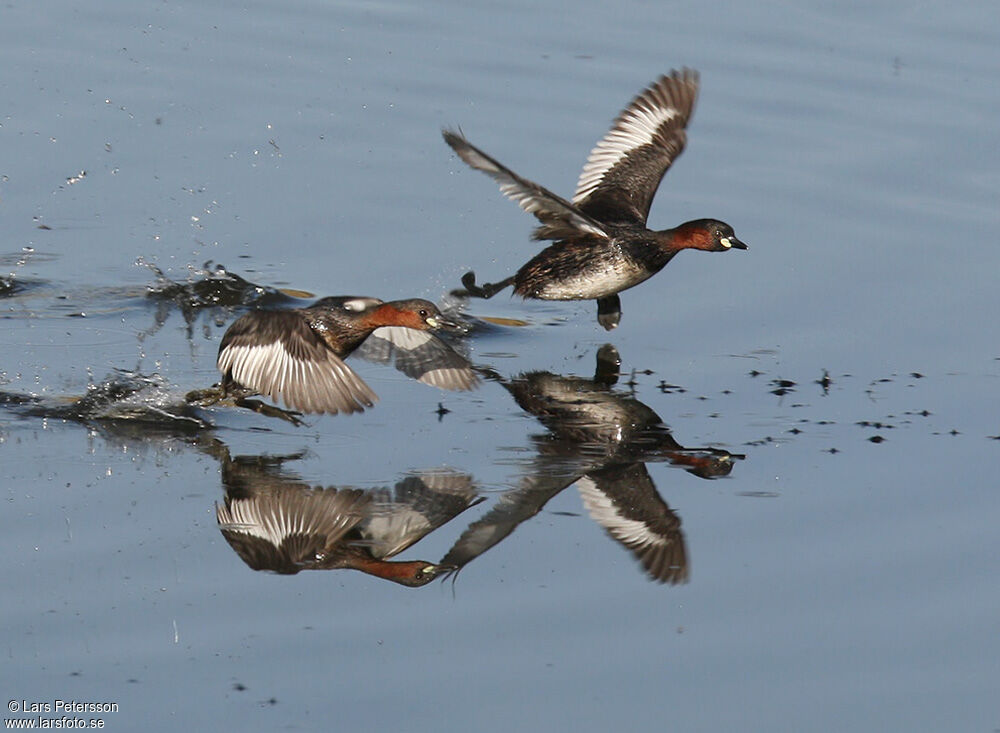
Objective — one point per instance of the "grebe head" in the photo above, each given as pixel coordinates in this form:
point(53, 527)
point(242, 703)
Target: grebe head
point(710, 235)
point(413, 574)
point(414, 313)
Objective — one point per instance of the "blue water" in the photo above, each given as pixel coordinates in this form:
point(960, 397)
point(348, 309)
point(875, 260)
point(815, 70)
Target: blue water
point(835, 583)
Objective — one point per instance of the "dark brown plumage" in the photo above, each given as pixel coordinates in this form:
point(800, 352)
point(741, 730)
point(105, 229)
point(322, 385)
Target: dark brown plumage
point(599, 439)
point(602, 245)
point(293, 528)
point(296, 356)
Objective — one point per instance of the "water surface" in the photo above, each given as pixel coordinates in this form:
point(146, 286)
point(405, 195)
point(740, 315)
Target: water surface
point(838, 571)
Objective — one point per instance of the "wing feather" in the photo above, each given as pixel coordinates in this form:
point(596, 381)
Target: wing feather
point(624, 170)
point(550, 209)
point(278, 355)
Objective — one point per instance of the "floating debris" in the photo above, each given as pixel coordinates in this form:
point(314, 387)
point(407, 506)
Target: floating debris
point(782, 386)
point(123, 397)
point(876, 425)
point(213, 286)
point(497, 321)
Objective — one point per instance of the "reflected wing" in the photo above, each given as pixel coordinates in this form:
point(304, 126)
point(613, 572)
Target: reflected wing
point(415, 507)
point(419, 355)
point(624, 501)
point(623, 171)
point(277, 354)
point(288, 531)
point(555, 212)
point(511, 509)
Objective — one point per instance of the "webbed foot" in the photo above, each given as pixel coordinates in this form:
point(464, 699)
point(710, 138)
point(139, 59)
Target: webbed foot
point(486, 290)
point(267, 410)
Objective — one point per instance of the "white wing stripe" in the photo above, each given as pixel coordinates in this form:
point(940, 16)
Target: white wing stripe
point(603, 511)
point(637, 128)
point(308, 385)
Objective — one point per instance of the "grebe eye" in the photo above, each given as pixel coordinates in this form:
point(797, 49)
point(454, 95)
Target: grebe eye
point(423, 313)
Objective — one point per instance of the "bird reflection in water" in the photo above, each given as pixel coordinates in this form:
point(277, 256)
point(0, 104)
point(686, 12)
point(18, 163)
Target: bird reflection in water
point(275, 521)
point(599, 439)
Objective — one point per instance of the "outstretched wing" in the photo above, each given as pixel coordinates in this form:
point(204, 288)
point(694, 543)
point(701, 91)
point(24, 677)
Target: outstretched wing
point(277, 354)
point(292, 529)
point(624, 501)
point(624, 170)
point(420, 355)
point(555, 212)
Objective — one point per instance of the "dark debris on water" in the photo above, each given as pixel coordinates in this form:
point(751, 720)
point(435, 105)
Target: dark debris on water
point(214, 286)
point(123, 397)
point(782, 386)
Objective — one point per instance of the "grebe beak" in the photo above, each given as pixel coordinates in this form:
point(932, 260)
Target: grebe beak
point(446, 324)
point(732, 242)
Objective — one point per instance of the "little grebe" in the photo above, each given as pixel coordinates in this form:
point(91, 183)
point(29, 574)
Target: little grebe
point(296, 356)
point(602, 245)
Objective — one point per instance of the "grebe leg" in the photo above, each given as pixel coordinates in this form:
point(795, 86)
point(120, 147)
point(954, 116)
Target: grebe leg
point(609, 311)
point(486, 290)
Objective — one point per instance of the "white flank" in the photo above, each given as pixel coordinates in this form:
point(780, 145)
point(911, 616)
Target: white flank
point(359, 304)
